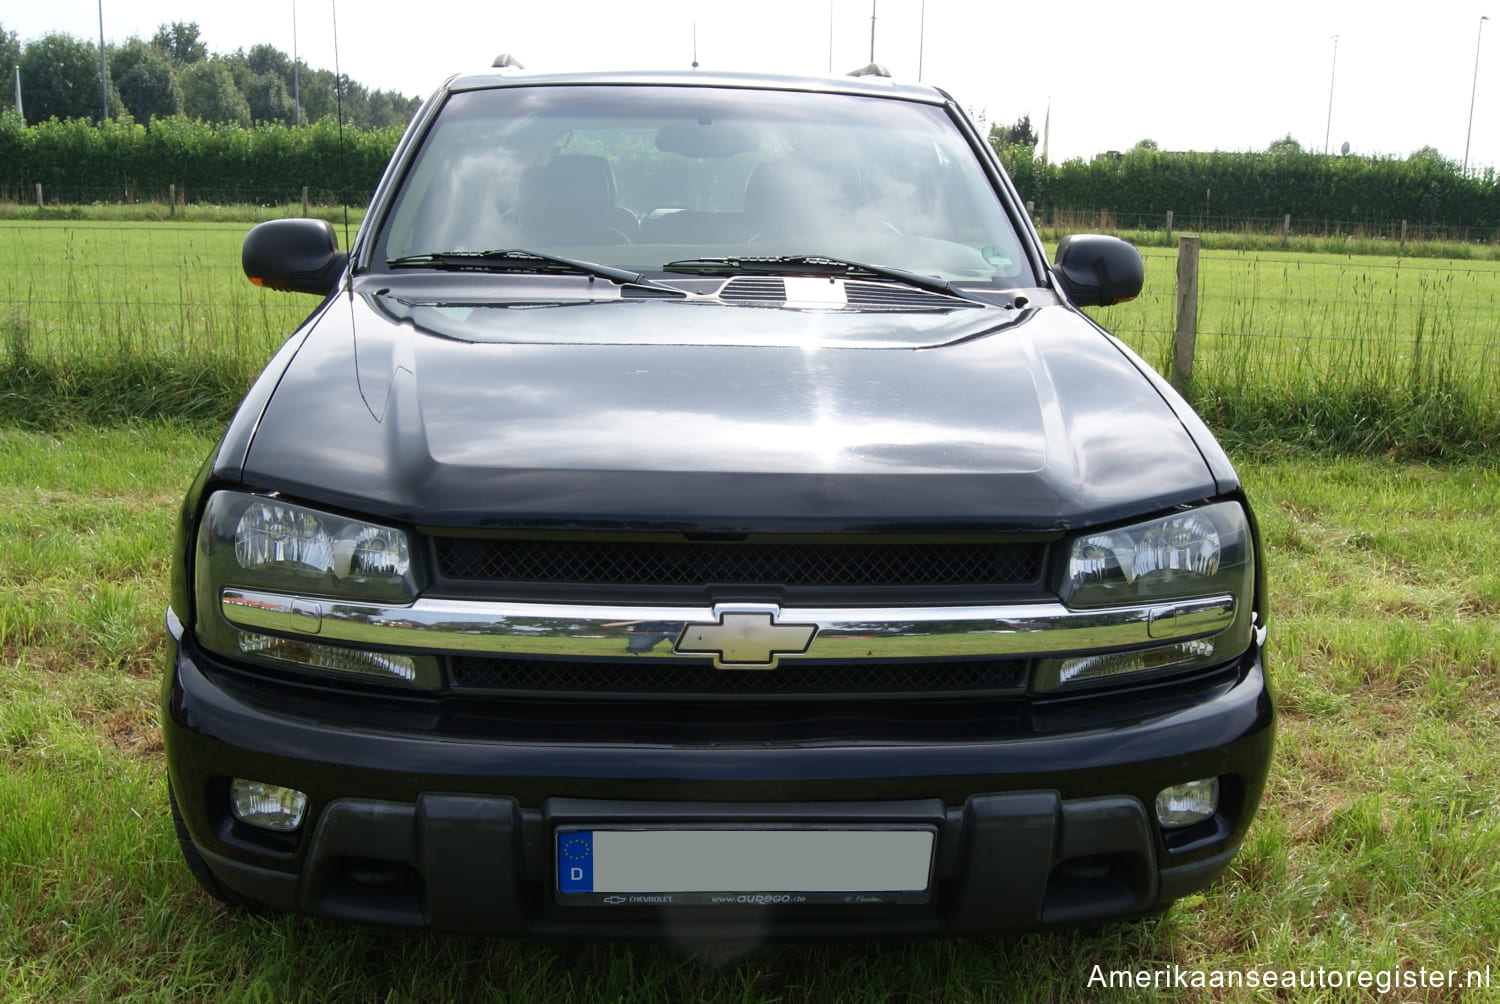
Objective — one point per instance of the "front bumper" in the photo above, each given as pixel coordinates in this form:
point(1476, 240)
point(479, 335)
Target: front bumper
point(457, 832)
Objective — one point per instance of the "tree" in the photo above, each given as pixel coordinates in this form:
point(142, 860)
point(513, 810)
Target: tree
point(318, 100)
point(143, 76)
point(356, 100)
point(209, 94)
point(267, 59)
point(1146, 145)
point(60, 79)
point(1285, 145)
point(387, 108)
point(10, 58)
point(269, 99)
point(180, 41)
point(1020, 134)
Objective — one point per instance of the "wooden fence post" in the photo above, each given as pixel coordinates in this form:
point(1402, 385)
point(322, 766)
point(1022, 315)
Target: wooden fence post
point(1403, 238)
point(171, 200)
point(1169, 225)
point(1286, 228)
point(1185, 340)
point(304, 200)
point(39, 195)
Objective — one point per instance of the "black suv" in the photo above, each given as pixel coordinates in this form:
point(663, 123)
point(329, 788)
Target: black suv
point(697, 509)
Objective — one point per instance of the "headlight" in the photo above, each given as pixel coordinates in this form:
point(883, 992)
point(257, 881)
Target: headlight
point(1199, 552)
point(256, 542)
point(249, 540)
point(1202, 554)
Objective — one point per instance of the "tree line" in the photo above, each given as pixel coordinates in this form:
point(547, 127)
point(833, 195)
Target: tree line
point(173, 74)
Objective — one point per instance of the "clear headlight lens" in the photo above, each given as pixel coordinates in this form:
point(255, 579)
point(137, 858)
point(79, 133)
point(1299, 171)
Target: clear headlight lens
point(258, 542)
point(255, 542)
point(1202, 553)
point(1199, 552)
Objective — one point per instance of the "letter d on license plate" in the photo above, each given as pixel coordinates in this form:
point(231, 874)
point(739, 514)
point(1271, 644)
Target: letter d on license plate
point(620, 867)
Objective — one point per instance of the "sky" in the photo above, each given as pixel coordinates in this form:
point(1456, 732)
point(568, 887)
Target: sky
point(1200, 75)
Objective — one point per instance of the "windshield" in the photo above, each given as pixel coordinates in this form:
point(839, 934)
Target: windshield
point(639, 177)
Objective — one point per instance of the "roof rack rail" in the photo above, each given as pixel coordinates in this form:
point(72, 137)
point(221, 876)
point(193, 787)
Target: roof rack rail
point(870, 70)
point(505, 61)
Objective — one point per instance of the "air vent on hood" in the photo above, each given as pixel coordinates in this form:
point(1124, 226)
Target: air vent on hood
point(754, 290)
point(877, 294)
point(834, 294)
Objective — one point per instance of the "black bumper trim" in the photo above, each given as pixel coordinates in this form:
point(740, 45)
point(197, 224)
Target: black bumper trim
point(467, 863)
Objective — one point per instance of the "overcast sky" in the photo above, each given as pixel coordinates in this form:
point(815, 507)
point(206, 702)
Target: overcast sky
point(1200, 75)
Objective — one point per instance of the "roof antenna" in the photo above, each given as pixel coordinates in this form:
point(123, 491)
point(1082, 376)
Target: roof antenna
point(695, 45)
point(338, 93)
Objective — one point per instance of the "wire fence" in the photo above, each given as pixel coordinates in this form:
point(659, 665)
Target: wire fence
point(1282, 337)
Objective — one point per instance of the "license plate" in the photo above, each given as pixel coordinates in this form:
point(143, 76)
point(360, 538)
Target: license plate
point(744, 867)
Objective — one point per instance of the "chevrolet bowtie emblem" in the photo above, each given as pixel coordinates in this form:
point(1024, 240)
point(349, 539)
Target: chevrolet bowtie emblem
point(745, 638)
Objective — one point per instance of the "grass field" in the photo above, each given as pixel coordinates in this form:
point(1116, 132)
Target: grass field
point(1378, 847)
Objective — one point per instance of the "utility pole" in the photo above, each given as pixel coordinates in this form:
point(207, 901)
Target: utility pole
point(1328, 129)
point(1473, 89)
point(296, 90)
point(103, 73)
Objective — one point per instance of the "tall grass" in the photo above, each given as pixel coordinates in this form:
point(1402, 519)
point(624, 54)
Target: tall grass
point(1334, 352)
point(118, 322)
point(111, 322)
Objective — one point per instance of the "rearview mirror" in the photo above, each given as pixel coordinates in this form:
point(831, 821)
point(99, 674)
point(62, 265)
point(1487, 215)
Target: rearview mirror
point(704, 138)
point(300, 256)
point(1097, 271)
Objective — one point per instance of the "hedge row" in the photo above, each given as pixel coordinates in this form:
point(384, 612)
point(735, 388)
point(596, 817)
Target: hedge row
point(1308, 186)
point(260, 164)
point(271, 163)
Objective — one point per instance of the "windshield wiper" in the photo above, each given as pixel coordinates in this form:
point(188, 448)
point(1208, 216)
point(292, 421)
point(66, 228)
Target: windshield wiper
point(522, 260)
point(814, 265)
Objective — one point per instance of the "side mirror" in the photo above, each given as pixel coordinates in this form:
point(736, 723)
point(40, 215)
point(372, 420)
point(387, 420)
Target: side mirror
point(1097, 271)
point(300, 256)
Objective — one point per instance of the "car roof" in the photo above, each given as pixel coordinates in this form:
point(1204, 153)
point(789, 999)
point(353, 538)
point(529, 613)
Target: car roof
point(870, 86)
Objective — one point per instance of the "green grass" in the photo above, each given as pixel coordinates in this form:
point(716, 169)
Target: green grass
point(161, 212)
point(1334, 352)
point(1378, 846)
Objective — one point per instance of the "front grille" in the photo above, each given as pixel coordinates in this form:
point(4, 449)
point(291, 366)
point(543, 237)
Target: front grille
point(693, 563)
point(682, 679)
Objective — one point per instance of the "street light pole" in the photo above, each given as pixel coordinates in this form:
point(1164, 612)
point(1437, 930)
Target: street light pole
point(1332, 74)
point(296, 88)
point(1473, 89)
point(103, 78)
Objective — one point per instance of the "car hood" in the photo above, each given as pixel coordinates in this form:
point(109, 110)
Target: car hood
point(699, 416)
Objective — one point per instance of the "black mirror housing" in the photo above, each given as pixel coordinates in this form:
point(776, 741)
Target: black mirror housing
point(299, 256)
point(1097, 271)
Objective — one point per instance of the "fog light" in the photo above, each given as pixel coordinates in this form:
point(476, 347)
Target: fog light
point(1186, 804)
point(269, 806)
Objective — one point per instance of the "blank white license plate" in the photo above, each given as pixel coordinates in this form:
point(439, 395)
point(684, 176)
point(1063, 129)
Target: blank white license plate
point(744, 867)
